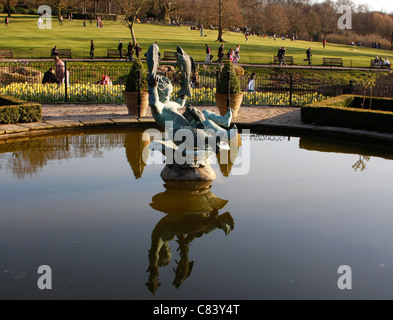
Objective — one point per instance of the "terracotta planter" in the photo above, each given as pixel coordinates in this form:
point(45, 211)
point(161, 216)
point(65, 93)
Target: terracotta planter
point(234, 103)
point(132, 103)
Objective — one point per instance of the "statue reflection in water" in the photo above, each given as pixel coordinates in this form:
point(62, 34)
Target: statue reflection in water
point(192, 210)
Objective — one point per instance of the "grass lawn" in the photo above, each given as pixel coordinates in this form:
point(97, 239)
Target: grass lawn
point(28, 41)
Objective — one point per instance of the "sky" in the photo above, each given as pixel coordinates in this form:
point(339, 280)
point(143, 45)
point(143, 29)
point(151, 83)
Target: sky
point(377, 5)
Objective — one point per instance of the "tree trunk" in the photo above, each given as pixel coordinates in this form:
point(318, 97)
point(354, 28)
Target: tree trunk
point(131, 27)
point(95, 8)
point(9, 7)
point(165, 13)
point(59, 9)
point(220, 18)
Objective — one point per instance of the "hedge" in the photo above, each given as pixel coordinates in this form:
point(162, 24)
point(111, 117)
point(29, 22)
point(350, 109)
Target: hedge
point(341, 112)
point(90, 16)
point(13, 110)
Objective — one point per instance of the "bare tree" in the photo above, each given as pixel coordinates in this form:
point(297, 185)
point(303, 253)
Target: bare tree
point(276, 20)
point(313, 25)
point(59, 4)
point(169, 7)
point(328, 17)
point(228, 14)
point(9, 5)
point(130, 9)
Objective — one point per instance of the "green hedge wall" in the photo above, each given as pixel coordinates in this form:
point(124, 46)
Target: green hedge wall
point(380, 104)
point(13, 110)
point(339, 113)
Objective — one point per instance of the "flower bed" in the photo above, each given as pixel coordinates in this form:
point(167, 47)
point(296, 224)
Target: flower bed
point(92, 93)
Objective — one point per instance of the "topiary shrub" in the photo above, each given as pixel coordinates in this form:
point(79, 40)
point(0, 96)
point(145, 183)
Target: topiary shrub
point(13, 110)
point(222, 85)
point(132, 78)
point(339, 112)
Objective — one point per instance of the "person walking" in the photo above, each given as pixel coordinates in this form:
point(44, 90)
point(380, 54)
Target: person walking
point(6, 22)
point(281, 56)
point(220, 54)
point(60, 20)
point(308, 54)
point(120, 48)
point(92, 48)
point(138, 50)
point(207, 60)
point(201, 30)
point(130, 51)
point(324, 43)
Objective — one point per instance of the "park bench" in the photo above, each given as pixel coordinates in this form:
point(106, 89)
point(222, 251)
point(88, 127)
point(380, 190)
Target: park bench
point(114, 53)
point(287, 59)
point(6, 53)
point(383, 66)
point(169, 55)
point(337, 62)
point(64, 53)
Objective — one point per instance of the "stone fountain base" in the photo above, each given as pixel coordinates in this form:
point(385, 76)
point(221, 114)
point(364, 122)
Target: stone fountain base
point(175, 173)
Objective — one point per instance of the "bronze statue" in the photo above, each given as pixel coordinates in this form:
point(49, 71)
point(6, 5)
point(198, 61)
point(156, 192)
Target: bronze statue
point(201, 133)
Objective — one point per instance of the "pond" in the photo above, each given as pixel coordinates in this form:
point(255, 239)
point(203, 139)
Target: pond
point(86, 205)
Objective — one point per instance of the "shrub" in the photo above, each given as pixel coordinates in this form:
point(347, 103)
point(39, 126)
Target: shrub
point(339, 112)
point(222, 85)
point(13, 110)
point(132, 78)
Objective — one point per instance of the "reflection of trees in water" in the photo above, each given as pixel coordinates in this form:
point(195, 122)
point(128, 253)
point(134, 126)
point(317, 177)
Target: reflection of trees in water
point(226, 158)
point(25, 158)
point(134, 145)
point(360, 164)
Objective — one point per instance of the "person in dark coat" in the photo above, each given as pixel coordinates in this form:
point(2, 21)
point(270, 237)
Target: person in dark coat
point(138, 50)
point(92, 48)
point(120, 48)
point(308, 54)
point(50, 77)
point(54, 52)
point(220, 53)
point(281, 56)
point(130, 51)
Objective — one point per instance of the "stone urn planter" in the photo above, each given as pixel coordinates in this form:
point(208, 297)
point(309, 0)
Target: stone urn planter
point(228, 82)
point(136, 81)
point(131, 99)
point(235, 101)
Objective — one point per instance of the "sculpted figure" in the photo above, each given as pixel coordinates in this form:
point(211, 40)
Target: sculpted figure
point(164, 109)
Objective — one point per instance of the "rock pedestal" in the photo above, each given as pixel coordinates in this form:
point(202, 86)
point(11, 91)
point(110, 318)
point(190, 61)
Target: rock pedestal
point(175, 173)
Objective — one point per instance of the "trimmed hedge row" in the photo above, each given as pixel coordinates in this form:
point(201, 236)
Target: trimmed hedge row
point(379, 104)
point(13, 110)
point(339, 113)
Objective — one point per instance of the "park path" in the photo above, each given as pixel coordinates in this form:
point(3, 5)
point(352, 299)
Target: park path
point(78, 112)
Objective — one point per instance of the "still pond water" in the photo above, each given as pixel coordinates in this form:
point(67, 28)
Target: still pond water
point(87, 206)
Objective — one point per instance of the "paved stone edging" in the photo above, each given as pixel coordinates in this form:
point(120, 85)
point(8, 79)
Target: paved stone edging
point(23, 129)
